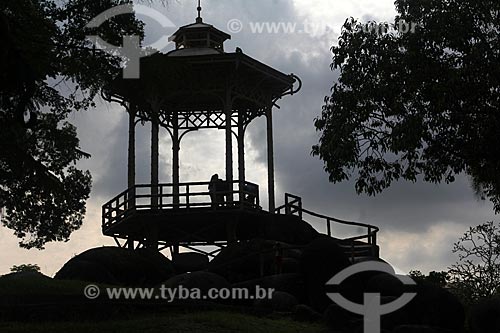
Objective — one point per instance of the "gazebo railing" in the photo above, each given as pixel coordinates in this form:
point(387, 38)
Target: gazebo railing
point(185, 196)
point(293, 206)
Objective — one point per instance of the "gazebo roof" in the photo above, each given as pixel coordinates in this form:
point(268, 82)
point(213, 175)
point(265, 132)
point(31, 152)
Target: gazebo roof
point(199, 35)
point(198, 81)
point(199, 77)
point(198, 26)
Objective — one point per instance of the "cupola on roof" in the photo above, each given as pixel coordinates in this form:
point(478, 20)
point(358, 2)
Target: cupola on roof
point(200, 37)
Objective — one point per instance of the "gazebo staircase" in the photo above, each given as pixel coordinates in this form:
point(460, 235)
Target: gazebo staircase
point(357, 248)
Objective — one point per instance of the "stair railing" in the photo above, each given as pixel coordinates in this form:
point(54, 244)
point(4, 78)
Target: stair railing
point(293, 206)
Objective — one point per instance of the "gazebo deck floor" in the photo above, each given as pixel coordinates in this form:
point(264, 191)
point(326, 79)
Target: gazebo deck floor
point(204, 225)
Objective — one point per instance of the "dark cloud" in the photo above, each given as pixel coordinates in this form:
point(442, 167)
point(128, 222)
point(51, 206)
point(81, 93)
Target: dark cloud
point(434, 216)
point(405, 207)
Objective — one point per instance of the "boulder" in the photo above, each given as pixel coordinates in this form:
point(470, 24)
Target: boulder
point(402, 317)
point(280, 302)
point(385, 284)
point(418, 329)
point(305, 313)
point(292, 284)
point(484, 317)
point(204, 281)
point(117, 266)
point(90, 271)
point(339, 318)
point(433, 307)
point(157, 260)
point(249, 260)
point(289, 229)
point(290, 265)
point(190, 262)
point(321, 260)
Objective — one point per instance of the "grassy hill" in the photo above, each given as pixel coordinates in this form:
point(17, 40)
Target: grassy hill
point(212, 321)
point(47, 305)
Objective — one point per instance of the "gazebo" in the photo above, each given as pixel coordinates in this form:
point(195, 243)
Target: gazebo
point(197, 86)
point(200, 86)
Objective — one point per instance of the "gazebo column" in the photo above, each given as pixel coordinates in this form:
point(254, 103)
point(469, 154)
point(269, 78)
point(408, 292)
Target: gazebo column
point(231, 225)
point(132, 110)
point(241, 156)
point(270, 160)
point(131, 146)
point(176, 147)
point(155, 129)
point(228, 110)
point(152, 234)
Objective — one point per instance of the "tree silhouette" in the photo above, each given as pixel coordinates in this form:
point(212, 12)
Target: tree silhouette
point(23, 268)
point(44, 48)
point(477, 273)
point(439, 279)
point(416, 103)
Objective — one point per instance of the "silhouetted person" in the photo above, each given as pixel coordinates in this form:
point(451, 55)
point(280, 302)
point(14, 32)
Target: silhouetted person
point(212, 188)
point(216, 190)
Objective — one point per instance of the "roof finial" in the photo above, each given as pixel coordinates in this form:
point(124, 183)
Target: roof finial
point(199, 19)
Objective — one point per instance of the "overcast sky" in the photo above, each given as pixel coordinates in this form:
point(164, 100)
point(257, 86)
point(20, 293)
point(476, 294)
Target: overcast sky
point(419, 222)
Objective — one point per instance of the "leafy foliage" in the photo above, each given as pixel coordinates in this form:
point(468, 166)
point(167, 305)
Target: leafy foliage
point(44, 47)
point(439, 279)
point(25, 268)
point(477, 273)
point(417, 103)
